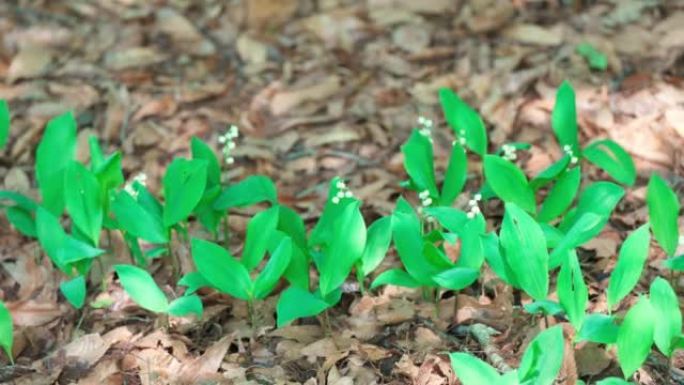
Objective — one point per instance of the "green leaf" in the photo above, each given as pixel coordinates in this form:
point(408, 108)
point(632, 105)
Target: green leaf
point(525, 251)
point(56, 149)
point(296, 303)
point(4, 123)
point(598, 328)
point(509, 182)
point(221, 270)
point(543, 358)
point(184, 184)
point(137, 220)
point(251, 190)
point(613, 381)
point(550, 173)
point(292, 224)
point(418, 162)
point(455, 176)
point(377, 243)
point(396, 277)
point(450, 218)
point(110, 174)
point(674, 263)
point(472, 253)
point(597, 60)
point(6, 331)
point(599, 198)
point(259, 230)
point(495, 260)
point(201, 150)
point(74, 291)
point(564, 117)
point(561, 195)
point(142, 289)
point(194, 281)
point(274, 269)
point(345, 249)
point(668, 316)
point(573, 294)
point(613, 159)
point(456, 278)
point(187, 304)
point(83, 199)
point(583, 230)
point(630, 264)
point(471, 370)
point(635, 337)
point(663, 209)
point(464, 120)
point(545, 307)
point(22, 220)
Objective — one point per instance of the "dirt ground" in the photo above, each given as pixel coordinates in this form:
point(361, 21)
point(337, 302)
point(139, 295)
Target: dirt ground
point(321, 88)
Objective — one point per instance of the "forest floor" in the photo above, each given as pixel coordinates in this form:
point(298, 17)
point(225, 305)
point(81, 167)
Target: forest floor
point(319, 89)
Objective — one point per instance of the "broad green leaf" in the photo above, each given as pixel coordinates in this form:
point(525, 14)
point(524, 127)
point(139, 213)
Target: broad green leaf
point(251, 190)
point(583, 230)
point(4, 123)
point(140, 286)
point(552, 235)
point(674, 263)
point(201, 150)
point(599, 198)
point(396, 277)
point(377, 243)
point(74, 291)
point(509, 182)
point(597, 60)
point(51, 236)
point(543, 358)
point(450, 218)
point(290, 223)
point(135, 219)
point(297, 272)
point(194, 281)
point(6, 331)
point(464, 120)
point(418, 162)
point(561, 195)
point(97, 157)
point(259, 230)
point(472, 252)
point(456, 278)
point(187, 304)
point(56, 149)
point(205, 212)
point(495, 260)
point(184, 184)
point(668, 316)
point(630, 264)
point(471, 370)
point(296, 303)
point(598, 328)
point(525, 251)
point(613, 159)
point(22, 220)
point(221, 270)
point(20, 200)
point(635, 337)
point(110, 174)
point(663, 210)
point(564, 118)
point(572, 291)
point(274, 269)
point(550, 173)
point(83, 199)
point(455, 176)
point(345, 249)
point(614, 381)
point(323, 232)
point(545, 307)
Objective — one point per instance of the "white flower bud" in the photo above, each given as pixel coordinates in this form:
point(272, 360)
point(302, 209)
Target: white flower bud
point(335, 200)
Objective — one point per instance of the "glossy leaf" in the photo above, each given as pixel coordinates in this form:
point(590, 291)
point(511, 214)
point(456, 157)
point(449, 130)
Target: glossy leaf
point(259, 230)
point(675, 263)
point(573, 294)
point(464, 120)
point(509, 182)
point(613, 159)
point(471, 370)
point(598, 328)
point(6, 331)
point(545, 307)
point(561, 195)
point(84, 200)
point(542, 358)
point(667, 315)
point(583, 230)
point(456, 278)
point(396, 277)
point(140, 286)
point(55, 150)
point(635, 337)
point(200, 150)
point(564, 117)
point(525, 251)
point(4, 123)
point(630, 264)
point(599, 198)
point(418, 162)
point(377, 243)
point(187, 304)
point(296, 303)
point(221, 270)
point(137, 220)
point(251, 190)
point(455, 176)
point(274, 269)
point(550, 173)
point(193, 281)
point(22, 220)
point(663, 210)
point(184, 184)
point(74, 291)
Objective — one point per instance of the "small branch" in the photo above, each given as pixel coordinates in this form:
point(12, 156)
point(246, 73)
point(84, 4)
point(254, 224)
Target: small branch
point(482, 334)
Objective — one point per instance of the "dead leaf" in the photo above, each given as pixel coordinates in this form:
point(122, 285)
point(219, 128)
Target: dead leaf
point(30, 62)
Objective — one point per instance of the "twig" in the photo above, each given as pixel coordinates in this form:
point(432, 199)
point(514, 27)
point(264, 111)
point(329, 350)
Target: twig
point(482, 334)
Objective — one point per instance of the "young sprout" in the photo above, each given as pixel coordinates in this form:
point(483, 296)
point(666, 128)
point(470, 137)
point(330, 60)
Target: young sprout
point(342, 193)
point(141, 179)
point(228, 142)
point(568, 150)
point(473, 206)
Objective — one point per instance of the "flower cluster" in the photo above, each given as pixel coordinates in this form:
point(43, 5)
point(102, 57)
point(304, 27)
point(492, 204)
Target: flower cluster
point(342, 192)
point(425, 199)
point(141, 179)
point(425, 126)
point(509, 152)
point(228, 142)
point(568, 150)
point(473, 206)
